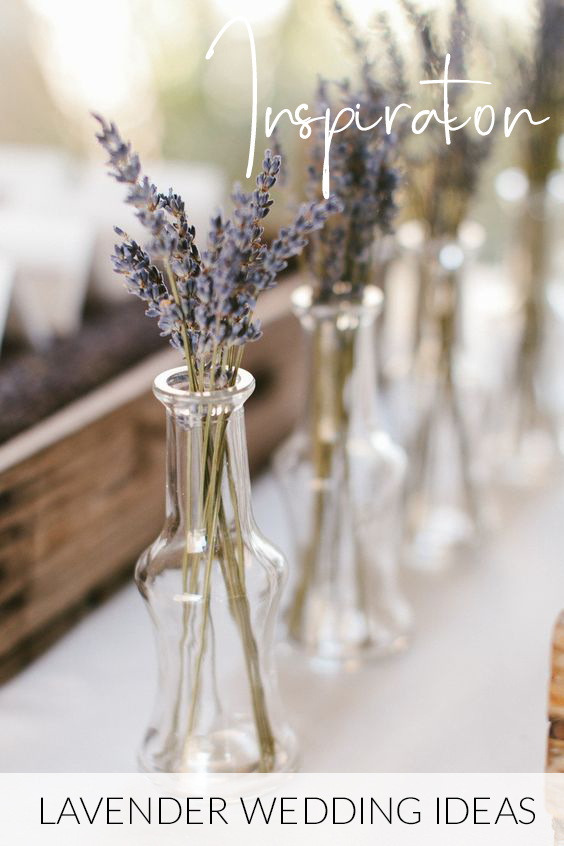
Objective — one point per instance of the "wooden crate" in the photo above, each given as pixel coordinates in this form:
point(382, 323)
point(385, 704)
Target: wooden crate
point(81, 494)
point(555, 749)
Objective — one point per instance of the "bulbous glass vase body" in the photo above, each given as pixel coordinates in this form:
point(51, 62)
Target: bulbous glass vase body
point(342, 477)
point(212, 584)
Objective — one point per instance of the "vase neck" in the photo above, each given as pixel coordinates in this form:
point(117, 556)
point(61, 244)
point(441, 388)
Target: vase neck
point(342, 384)
point(206, 457)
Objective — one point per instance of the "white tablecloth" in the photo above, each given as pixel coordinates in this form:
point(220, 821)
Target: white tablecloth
point(469, 695)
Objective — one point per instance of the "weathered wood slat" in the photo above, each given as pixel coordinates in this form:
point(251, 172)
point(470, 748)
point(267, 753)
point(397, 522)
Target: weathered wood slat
point(555, 752)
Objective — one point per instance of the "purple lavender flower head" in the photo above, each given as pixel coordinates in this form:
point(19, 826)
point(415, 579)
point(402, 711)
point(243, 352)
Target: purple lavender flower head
point(204, 301)
point(364, 179)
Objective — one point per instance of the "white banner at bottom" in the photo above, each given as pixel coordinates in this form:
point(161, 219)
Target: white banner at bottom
point(314, 808)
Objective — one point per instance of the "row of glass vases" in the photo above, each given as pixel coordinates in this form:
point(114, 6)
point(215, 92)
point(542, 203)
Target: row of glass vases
point(213, 582)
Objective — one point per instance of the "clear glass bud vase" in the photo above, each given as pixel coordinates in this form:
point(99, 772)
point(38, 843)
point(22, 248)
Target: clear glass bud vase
point(444, 508)
point(526, 446)
point(343, 480)
point(212, 583)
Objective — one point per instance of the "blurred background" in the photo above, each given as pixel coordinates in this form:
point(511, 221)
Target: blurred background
point(68, 329)
point(143, 65)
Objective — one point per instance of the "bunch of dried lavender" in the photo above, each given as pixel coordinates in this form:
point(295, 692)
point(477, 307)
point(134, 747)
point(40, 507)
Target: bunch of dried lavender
point(204, 302)
point(364, 177)
point(542, 80)
point(444, 178)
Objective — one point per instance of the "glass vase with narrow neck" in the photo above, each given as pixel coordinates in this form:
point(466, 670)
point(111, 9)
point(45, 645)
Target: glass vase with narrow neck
point(526, 447)
point(444, 506)
point(212, 583)
point(343, 480)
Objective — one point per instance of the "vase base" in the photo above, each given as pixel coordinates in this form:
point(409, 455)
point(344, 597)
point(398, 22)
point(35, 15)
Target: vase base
point(348, 658)
point(448, 534)
point(537, 458)
point(221, 752)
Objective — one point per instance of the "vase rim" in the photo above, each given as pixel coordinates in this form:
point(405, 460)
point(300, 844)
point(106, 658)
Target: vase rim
point(167, 392)
point(370, 299)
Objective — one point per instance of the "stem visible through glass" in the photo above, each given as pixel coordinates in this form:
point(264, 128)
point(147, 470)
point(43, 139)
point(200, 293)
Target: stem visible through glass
point(331, 372)
point(225, 545)
point(212, 519)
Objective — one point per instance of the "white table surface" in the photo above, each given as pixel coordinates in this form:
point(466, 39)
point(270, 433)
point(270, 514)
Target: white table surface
point(469, 695)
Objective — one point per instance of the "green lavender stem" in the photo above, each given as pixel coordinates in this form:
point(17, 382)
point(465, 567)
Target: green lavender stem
point(332, 370)
point(220, 543)
point(241, 611)
point(445, 398)
point(534, 235)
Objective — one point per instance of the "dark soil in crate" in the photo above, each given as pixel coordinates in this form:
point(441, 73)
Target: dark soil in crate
point(34, 385)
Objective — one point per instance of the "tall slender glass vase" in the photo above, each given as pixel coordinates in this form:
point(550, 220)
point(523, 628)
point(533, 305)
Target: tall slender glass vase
point(212, 583)
point(527, 446)
point(343, 481)
point(444, 512)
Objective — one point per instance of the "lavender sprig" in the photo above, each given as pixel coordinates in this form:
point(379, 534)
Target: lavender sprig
point(205, 302)
point(364, 178)
point(541, 79)
point(444, 178)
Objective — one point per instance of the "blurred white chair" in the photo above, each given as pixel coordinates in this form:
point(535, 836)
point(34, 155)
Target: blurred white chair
point(34, 178)
point(52, 255)
point(56, 230)
point(45, 239)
